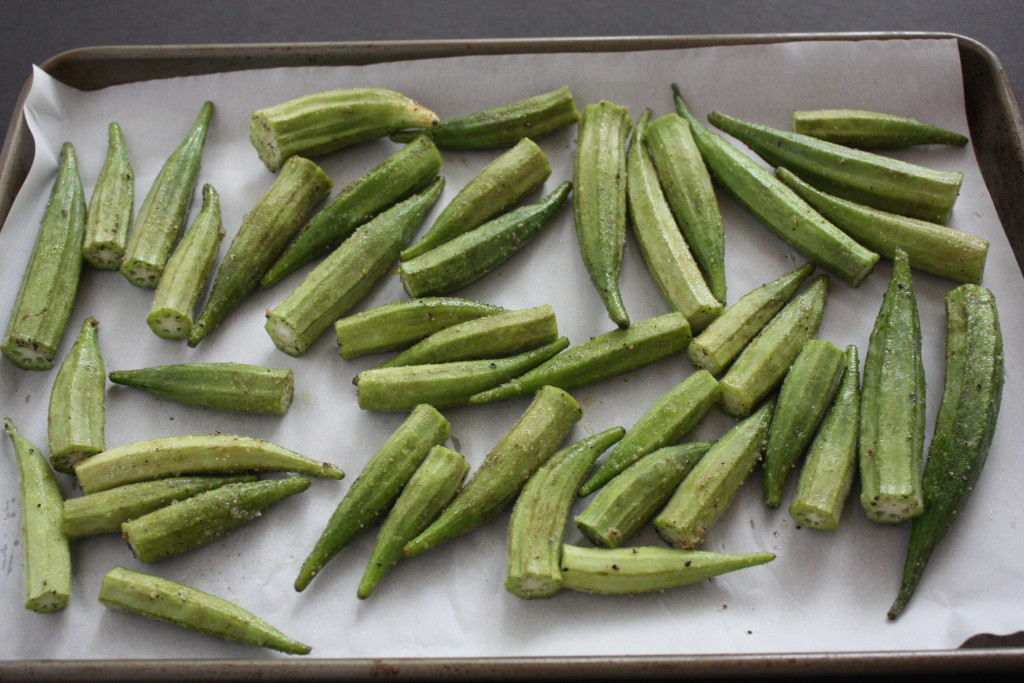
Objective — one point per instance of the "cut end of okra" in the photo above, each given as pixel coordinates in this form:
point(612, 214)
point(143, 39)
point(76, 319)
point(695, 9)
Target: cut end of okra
point(284, 336)
point(29, 354)
point(169, 324)
point(104, 255)
point(142, 274)
point(50, 601)
point(813, 517)
point(64, 461)
point(893, 508)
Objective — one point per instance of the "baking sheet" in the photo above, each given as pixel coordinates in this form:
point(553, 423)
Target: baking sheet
point(825, 592)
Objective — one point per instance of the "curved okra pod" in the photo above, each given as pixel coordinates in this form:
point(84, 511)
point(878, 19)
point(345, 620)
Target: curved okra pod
point(504, 125)
point(505, 470)
point(111, 206)
point(892, 416)
point(468, 257)
point(599, 199)
point(179, 605)
point(665, 422)
point(324, 122)
point(235, 387)
point(429, 490)
point(165, 209)
point(45, 548)
point(494, 190)
point(445, 385)
point(377, 486)
point(172, 456)
point(264, 232)
point(632, 497)
point(600, 357)
point(541, 510)
point(871, 130)
point(402, 174)
point(48, 287)
point(187, 272)
point(668, 256)
point(76, 418)
point(778, 207)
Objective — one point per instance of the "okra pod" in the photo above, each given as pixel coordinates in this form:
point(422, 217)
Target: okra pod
point(766, 359)
point(665, 422)
point(490, 193)
point(634, 495)
point(468, 257)
point(778, 207)
point(857, 175)
point(377, 486)
point(234, 387)
point(45, 549)
point(828, 472)
point(111, 206)
point(931, 247)
point(347, 275)
point(444, 385)
point(264, 232)
point(541, 510)
point(187, 272)
point(179, 605)
point(599, 199)
point(964, 426)
point(49, 285)
point(76, 417)
point(893, 406)
point(165, 208)
point(404, 173)
point(668, 256)
point(504, 125)
point(871, 129)
point(324, 122)
point(606, 355)
point(505, 470)
point(712, 484)
point(719, 344)
point(647, 568)
point(805, 395)
point(172, 456)
point(429, 490)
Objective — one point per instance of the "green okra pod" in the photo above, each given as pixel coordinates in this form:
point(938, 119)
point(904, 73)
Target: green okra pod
point(186, 607)
point(377, 486)
point(431, 487)
point(347, 275)
point(164, 211)
point(234, 387)
point(540, 513)
point(766, 359)
point(45, 549)
point(712, 484)
point(665, 422)
point(804, 397)
point(468, 257)
point(871, 129)
point(492, 192)
point(324, 122)
point(964, 426)
point(827, 475)
point(172, 456)
point(187, 272)
point(76, 417)
point(892, 416)
point(445, 385)
point(111, 206)
point(404, 173)
point(667, 254)
point(599, 199)
point(49, 285)
point(504, 125)
point(606, 355)
point(778, 207)
point(634, 495)
point(537, 434)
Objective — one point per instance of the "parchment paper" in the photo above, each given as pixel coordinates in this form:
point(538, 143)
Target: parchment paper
point(825, 592)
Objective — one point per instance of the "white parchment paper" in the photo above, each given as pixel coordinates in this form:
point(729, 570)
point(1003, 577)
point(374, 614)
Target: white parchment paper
point(825, 592)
